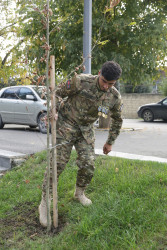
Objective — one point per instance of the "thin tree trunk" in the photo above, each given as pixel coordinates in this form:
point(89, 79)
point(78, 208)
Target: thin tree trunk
point(48, 141)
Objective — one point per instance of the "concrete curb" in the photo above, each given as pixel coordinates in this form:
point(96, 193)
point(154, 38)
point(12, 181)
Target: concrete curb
point(132, 156)
point(10, 159)
point(122, 129)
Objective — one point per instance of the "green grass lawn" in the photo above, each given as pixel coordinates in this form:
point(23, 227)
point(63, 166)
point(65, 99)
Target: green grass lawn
point(129, 208)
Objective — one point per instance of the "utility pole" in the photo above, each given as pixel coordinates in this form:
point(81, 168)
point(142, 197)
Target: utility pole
point(87, 35)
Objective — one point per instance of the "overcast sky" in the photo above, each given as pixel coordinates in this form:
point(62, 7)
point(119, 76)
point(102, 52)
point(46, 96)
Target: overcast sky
point(5, 42)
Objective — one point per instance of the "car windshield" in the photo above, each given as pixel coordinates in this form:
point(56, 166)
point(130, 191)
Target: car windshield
point(41, 91)
point(165, 102)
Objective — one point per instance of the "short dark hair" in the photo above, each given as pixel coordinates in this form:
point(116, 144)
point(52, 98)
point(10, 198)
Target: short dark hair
point(111, 70)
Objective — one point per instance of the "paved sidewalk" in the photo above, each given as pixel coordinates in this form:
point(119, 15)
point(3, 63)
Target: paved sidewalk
point(138, 140)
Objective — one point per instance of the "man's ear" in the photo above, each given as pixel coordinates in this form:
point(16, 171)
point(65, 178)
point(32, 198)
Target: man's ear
point(99, 73)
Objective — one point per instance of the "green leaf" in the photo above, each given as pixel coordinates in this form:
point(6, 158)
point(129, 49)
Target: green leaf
point(103, 42)
point(132, 24)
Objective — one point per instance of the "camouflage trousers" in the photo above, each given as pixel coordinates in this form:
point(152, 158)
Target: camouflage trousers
point(82, 138)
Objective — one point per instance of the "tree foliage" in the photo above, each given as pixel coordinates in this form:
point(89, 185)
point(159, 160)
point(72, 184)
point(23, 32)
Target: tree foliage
point(133, 33)
point(11, 65)
point(136, 38)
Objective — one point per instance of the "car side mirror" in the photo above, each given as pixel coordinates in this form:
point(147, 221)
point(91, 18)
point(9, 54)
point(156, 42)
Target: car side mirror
point(30, 97)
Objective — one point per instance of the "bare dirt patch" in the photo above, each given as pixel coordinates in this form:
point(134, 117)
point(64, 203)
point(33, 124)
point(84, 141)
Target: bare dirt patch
point(23, 221)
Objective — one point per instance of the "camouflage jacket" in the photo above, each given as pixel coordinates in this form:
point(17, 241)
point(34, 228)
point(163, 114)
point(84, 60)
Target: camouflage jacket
point(84, 101)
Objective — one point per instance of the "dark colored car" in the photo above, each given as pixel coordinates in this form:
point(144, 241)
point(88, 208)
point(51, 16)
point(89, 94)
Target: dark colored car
point(153, 111)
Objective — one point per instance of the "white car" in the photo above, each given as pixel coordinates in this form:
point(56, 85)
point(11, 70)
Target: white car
point(23, 105)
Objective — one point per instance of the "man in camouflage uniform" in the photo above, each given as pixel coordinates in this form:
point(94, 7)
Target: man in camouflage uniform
point(85, 97)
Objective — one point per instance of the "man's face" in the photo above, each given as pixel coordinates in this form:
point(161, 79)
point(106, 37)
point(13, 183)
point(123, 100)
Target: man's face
point(104, 84)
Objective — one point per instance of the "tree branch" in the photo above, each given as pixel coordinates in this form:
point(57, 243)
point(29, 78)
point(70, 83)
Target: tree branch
point(7, 55)
point(2, 31)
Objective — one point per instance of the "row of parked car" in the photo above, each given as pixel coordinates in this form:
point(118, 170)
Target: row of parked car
point(26, 105)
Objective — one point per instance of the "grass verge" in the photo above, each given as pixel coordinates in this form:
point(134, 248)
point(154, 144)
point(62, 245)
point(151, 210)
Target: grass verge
point(129, 208)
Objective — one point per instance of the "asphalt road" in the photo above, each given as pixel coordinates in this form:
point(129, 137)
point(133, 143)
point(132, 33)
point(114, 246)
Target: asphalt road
point(136, 137)
point(22, 139)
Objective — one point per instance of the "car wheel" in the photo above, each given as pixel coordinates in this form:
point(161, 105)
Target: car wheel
point(42, 123)
point(148, 115)
point(1, 123)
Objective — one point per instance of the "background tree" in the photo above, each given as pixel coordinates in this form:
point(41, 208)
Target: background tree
point(12, 64)
point(133, 33)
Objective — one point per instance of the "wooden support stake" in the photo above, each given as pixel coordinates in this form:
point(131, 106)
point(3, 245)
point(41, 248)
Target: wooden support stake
point(53, 126)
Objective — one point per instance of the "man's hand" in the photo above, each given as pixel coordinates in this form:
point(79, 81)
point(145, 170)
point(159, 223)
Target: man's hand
point(107, 148)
